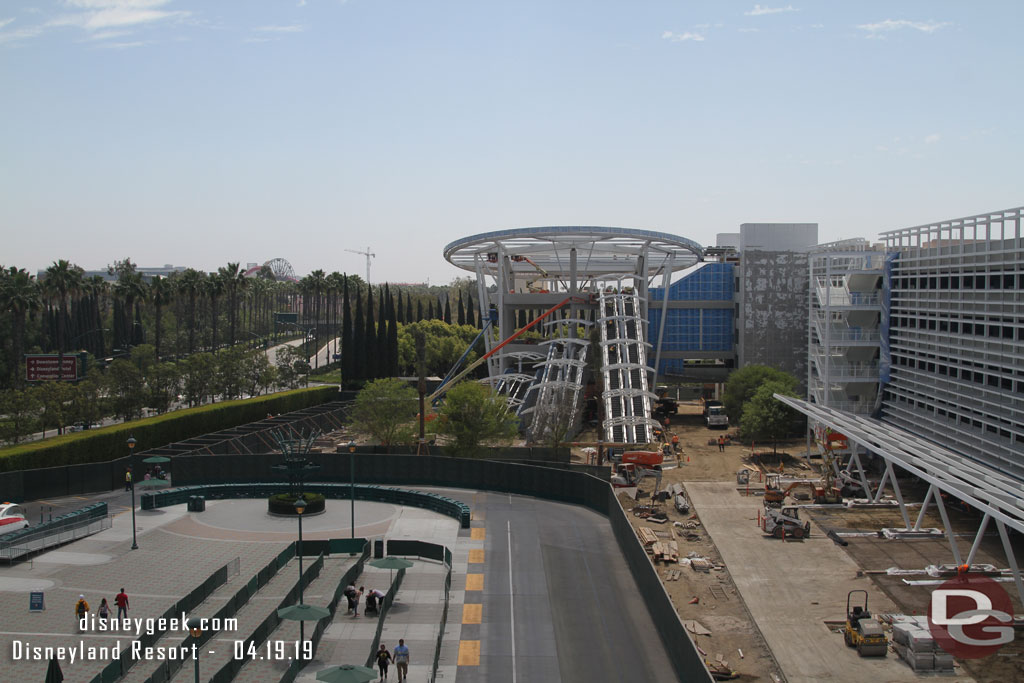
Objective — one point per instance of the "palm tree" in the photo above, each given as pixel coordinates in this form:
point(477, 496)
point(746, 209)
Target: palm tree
point(160, 291)
point(131, 289)
point(214, 288)
point(234, 283)
point(19, 293)
point(63, 279)
point(190, 284)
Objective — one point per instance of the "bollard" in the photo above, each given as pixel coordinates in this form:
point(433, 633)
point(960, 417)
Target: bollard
point(51, 513)
point(40, 514)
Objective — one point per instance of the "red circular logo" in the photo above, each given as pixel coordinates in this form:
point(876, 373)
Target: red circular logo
point(970, 617)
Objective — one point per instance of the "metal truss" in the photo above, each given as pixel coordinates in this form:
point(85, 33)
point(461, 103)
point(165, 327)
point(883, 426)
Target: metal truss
point(999, 497)
point(627, 398)
point(560, 386)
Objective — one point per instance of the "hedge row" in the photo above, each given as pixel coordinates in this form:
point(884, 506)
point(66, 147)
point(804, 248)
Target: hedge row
point(110, 443)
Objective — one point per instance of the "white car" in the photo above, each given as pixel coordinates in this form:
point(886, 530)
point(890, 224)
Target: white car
point(12, 518)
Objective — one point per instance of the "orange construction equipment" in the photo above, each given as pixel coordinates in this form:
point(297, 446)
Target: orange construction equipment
point(645, 458)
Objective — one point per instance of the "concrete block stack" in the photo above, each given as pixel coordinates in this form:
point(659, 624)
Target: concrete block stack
point(915, 645)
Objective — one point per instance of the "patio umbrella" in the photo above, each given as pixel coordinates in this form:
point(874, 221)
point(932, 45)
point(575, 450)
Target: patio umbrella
point(156, 460)
point(347, 673)
point(391, 563)
point(53, 672)
point(303, 613)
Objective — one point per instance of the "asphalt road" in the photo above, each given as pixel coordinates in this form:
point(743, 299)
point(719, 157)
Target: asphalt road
point(558, 594)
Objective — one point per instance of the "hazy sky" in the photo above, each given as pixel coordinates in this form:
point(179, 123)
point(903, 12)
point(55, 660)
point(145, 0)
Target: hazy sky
point(197, 133)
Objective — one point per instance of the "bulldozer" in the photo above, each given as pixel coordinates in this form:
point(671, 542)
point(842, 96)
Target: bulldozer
point(781, 522)
point(862, 631)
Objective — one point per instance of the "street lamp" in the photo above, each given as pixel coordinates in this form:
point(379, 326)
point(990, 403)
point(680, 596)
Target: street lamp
point(131, 470)
point(300, 507)
point(352, 481)
point(195, 629)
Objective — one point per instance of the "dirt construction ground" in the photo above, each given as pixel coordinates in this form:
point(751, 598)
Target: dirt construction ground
point(779, 601)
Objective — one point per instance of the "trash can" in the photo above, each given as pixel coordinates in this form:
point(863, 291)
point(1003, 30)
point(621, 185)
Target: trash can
point(196, 504)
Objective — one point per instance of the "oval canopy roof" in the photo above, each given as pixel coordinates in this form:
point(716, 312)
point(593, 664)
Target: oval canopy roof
point(600, 251)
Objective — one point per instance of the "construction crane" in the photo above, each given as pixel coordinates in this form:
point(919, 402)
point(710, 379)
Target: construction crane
point(369, 255)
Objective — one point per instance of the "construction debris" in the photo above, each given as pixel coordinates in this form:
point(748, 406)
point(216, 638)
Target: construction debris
point(696, 628)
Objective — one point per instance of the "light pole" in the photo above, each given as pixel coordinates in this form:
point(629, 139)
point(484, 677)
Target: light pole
point(300, 507)
point(352, 481)
point(131, 470)
point(195, 629)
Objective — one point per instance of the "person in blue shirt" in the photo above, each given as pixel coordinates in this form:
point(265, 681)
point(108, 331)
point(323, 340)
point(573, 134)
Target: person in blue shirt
point(401, 656)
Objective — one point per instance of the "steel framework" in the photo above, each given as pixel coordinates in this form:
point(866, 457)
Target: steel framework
point(999, 497)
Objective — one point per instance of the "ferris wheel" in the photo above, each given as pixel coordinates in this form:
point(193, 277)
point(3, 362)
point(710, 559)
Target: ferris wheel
point(281, 269)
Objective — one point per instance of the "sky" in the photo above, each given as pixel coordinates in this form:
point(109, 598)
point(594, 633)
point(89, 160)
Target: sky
point(200, 133)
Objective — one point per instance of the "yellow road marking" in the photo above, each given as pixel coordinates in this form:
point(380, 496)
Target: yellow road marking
point(478, 534)
point(476, 556)
point(474, 582)
point(472, 614)
point(469, 653)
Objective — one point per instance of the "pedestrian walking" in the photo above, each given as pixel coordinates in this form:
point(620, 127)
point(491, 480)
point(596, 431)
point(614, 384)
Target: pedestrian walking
point(402, 660)
point(675, 443)
point(81, 610)
point(121, 600)
point(350, 595)
point(103, 610)
point(721, 443)
point(383, 659)
point(355, 601)
point(128, 479)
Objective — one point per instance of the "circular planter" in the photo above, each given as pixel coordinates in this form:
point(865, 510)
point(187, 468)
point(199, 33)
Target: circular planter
point(283, 504)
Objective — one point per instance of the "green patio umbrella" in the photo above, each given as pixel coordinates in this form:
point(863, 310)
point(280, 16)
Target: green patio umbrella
point(156, 460)
point(303, 613)
point(53, 672)
point(391, 563)
point(347, 673)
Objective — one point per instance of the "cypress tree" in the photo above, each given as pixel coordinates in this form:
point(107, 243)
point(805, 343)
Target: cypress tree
point(370, 338)
point(419, 310)
point(358, 347)
point(430, 310)
point(439, 311)
point(448, 310)
point(408, 309)
point(392, 339)
point(462, 313)
point(346, 336)
point(382, 334)
point(470, 313)
point(399, 311)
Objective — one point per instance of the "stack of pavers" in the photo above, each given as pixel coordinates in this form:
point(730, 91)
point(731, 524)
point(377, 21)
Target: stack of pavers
point(915, 645)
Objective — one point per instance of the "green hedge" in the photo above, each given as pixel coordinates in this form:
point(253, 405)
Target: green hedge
point(109, 443)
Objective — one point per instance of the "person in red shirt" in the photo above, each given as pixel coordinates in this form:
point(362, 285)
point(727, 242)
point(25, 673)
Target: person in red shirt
point(121, 599)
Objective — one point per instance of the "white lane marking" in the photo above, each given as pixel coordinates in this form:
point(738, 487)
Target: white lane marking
point(511, 597)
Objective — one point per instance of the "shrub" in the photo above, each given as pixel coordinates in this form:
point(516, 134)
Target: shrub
point(284, 503)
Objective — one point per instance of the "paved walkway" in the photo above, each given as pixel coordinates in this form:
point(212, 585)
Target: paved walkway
point(791, 588)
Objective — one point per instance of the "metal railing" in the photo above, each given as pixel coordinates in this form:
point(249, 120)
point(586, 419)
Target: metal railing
point(49, 537)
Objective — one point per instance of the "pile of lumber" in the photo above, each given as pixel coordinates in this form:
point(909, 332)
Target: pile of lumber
point(667, 551)
point(647, 536)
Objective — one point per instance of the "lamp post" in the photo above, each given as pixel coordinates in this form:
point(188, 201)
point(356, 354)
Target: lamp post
point(352, 481)
point(300, 507)
point(131, 470)
point(195, 629)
